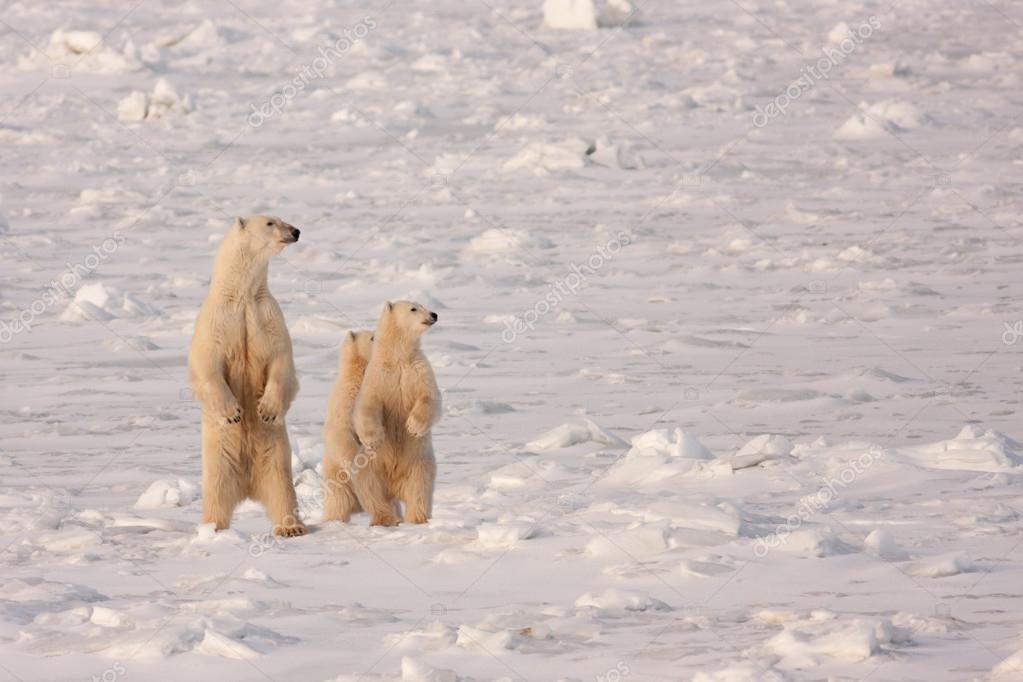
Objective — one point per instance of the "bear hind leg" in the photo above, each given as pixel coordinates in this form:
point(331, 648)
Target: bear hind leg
point(416, 490)
point(222, 473)
point(339, 499)
point(271, 482)
point(375, 498)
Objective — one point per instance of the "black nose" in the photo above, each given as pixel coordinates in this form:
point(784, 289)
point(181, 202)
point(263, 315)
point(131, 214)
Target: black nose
point(295, 232)
point(434, 316)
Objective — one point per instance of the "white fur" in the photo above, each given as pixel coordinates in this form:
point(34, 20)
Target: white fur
point(397, 405)
point(243, 375)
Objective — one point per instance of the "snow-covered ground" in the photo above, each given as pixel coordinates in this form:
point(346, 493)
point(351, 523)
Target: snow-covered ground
point(729, 335)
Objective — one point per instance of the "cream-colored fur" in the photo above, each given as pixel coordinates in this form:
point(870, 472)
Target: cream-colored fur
point(243, 374)
point(341, 448)
point(397, 405)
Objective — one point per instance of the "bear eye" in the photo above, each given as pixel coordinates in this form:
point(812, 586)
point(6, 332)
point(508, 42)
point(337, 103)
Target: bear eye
point(269, 223)
point(413, 310)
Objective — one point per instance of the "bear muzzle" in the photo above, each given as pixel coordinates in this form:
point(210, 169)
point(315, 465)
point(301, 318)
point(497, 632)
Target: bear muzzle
point(293, 232)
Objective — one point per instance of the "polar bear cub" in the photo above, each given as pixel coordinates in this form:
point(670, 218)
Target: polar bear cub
point(342, 452)
point(242, 373)
point(396, 407)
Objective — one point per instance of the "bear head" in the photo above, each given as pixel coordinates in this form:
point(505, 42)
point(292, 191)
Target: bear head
point(265, 235)
point(403, 322)
point(357, 348)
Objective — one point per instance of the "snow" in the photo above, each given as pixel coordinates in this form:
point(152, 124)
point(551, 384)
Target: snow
point(723, 400)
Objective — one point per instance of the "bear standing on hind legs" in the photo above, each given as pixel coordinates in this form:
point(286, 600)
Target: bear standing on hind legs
point(342, 452)
point(397, 405)
point(242, 373)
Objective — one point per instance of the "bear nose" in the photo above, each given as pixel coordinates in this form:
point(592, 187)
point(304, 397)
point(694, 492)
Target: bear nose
point(433, 316)
point(295, 232)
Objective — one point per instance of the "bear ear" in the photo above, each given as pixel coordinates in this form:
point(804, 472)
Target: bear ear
point(351, 335)
point(239, 222)
point(390, 306)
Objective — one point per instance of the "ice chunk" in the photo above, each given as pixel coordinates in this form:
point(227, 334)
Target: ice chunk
point(504, 535)
point(615, 602)
point(569, 434)
point(414, 670)
point(166, 493)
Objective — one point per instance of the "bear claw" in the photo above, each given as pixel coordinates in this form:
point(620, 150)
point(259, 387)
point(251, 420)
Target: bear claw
point(236, 418)
point(290, 531)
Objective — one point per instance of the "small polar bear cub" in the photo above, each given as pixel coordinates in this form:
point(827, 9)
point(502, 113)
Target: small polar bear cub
point(397, 405)
point(243, 374)
point(342, 452)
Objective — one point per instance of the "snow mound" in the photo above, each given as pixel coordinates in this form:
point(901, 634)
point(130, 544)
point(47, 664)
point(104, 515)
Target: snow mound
point(497, 241)
point(568, 435)
point(878, 120)
point(482, 640)
point(614, 602)
point(816, 542)
point(900, 114)
point(672, 443)
point(504, 535)
point(585, 14)
point(414, 670)
point(83, 51)
point(215, 643)
point(635, 543)
point(881, 544)
point(164, 100)
point(741, 672)
point(943, 566)
point(658, 456)
point(760, 449)
point(802, 644)
point(101, 302)
point(207, 36)
point(163, 494)
point(971, 450)
point(603, 152)
point(545, 158)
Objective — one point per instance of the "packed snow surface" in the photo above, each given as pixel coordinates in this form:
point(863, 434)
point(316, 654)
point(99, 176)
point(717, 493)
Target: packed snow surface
point(729, 336)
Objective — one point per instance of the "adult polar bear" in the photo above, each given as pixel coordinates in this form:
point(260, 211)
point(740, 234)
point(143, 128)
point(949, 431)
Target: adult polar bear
point(243, 374)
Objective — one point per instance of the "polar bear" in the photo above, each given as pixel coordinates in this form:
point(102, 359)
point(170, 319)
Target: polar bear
point(242, 373)
point(397, 404)
point(341, 448)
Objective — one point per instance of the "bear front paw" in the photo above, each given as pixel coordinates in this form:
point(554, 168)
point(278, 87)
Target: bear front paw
point(371, 441)
point(231, 414)
point(270, 409)
point(416, 426)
